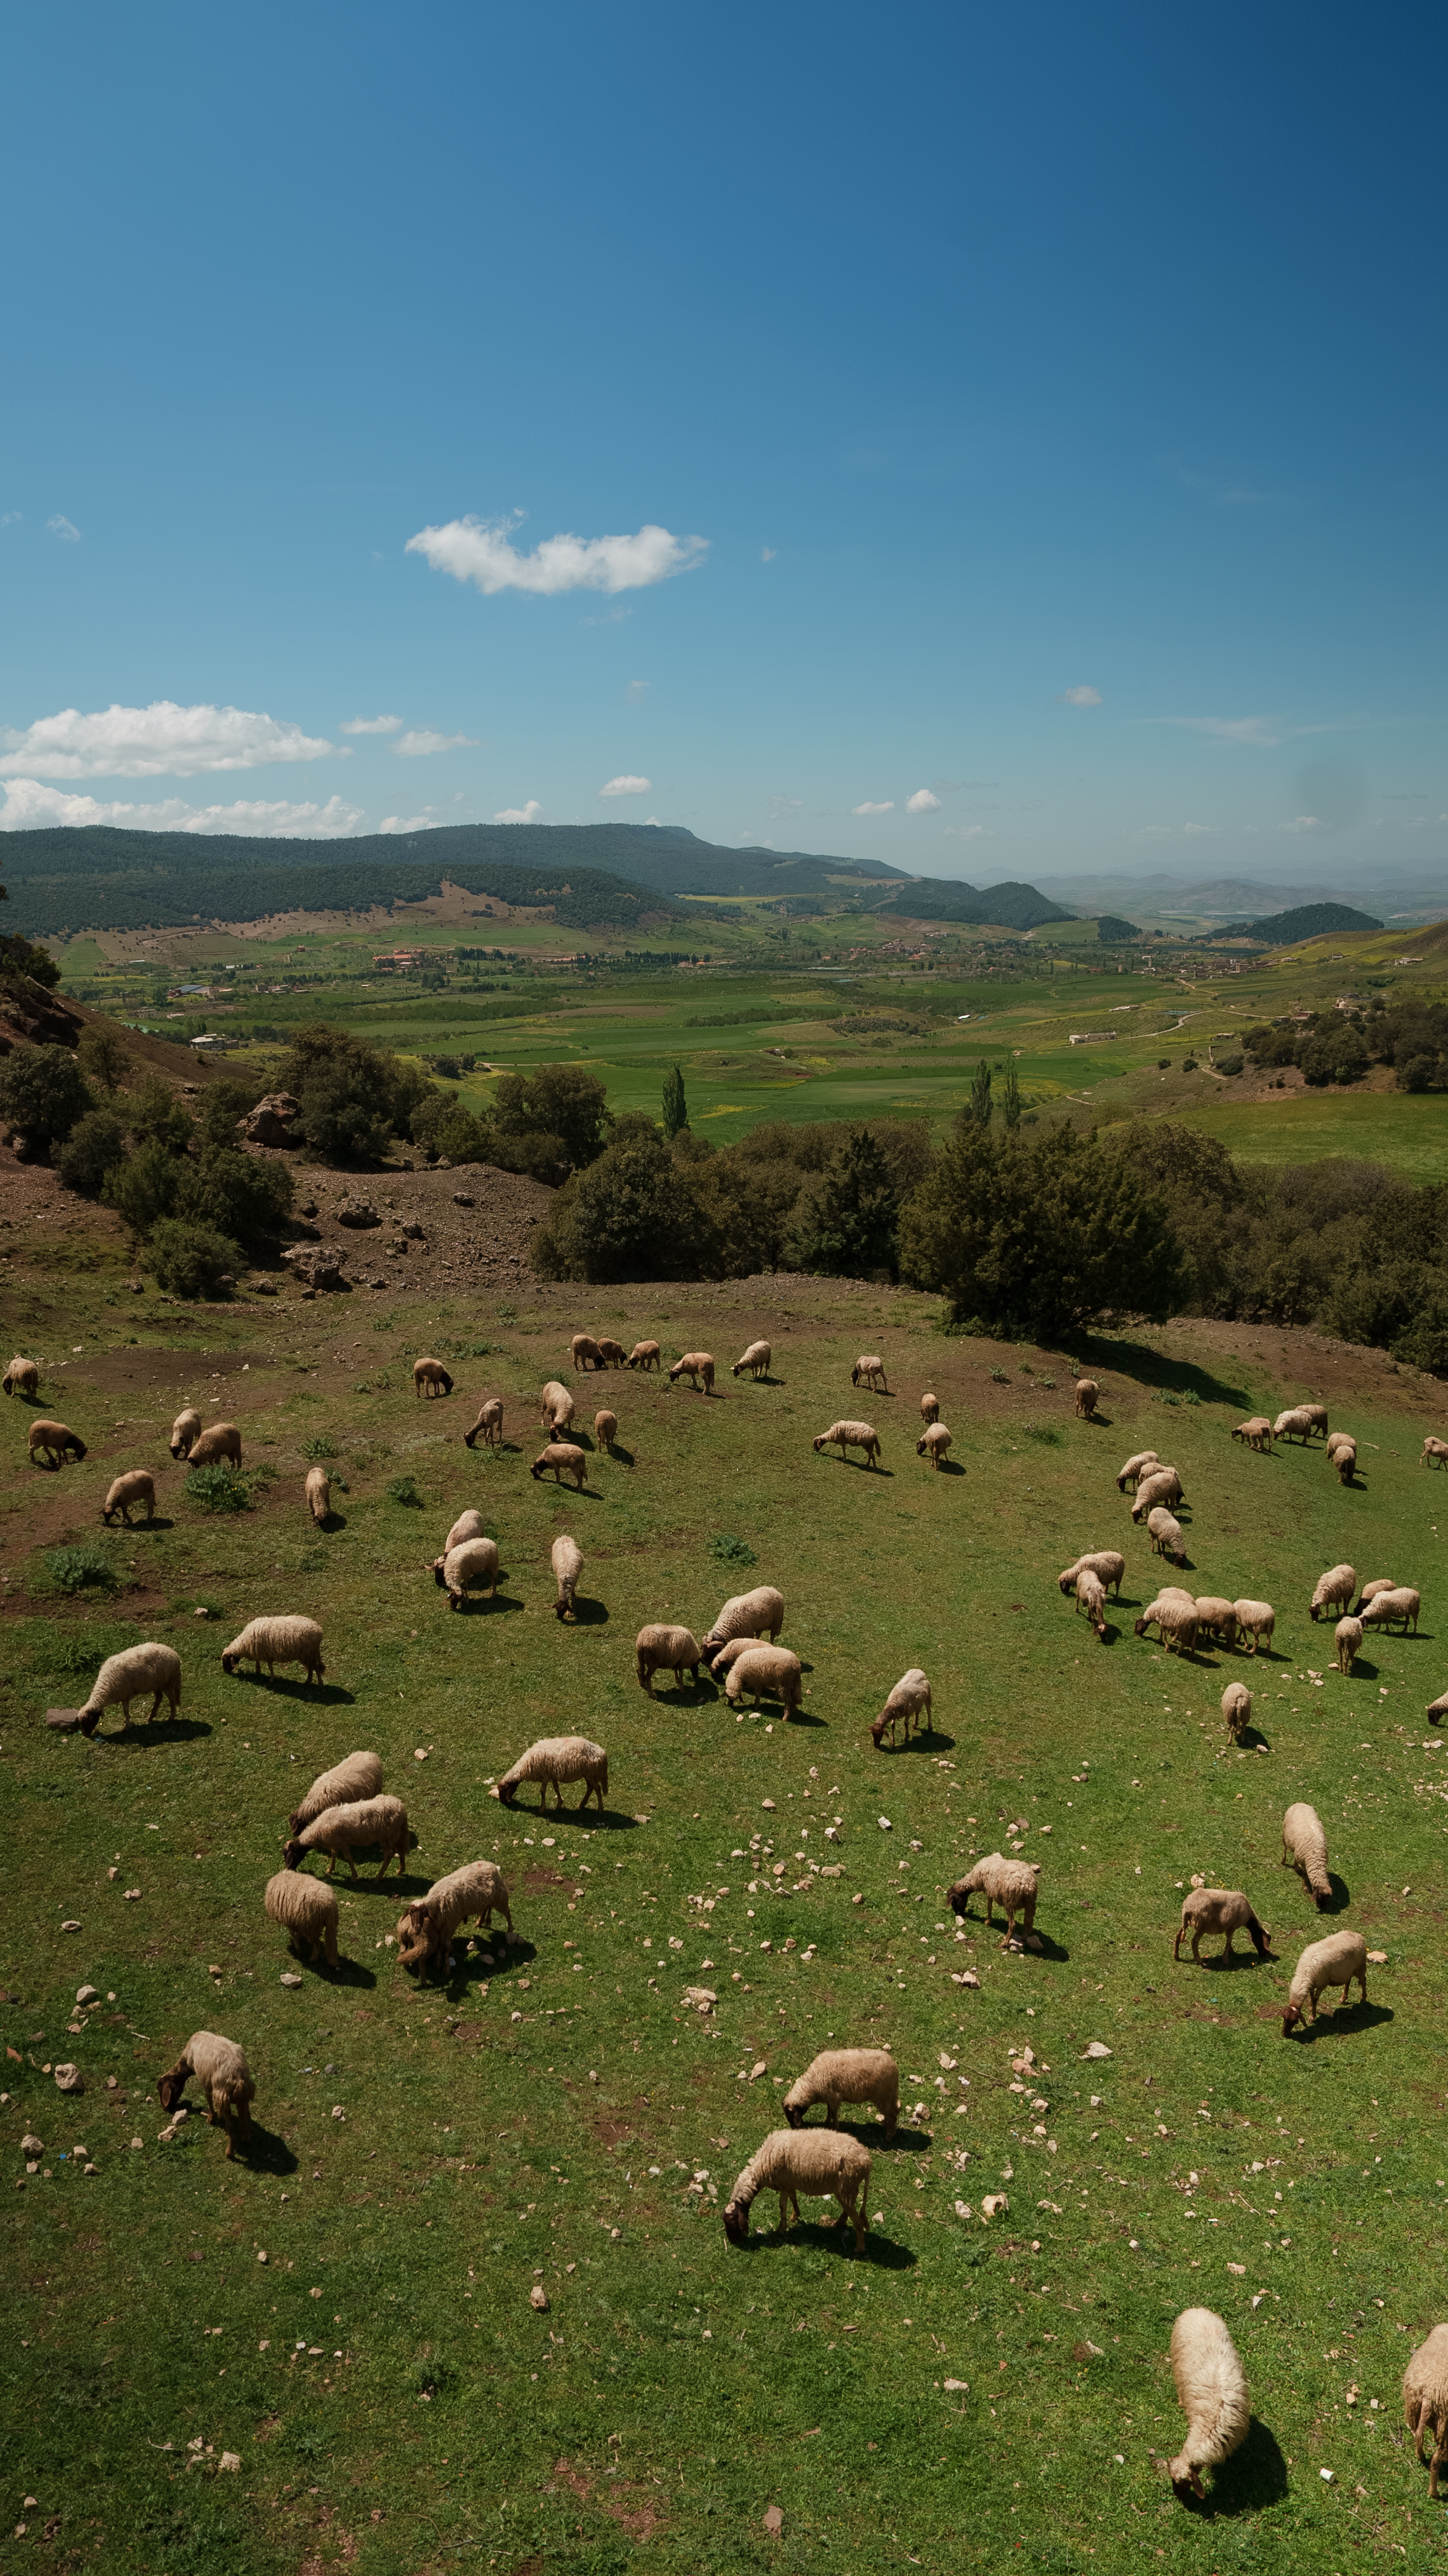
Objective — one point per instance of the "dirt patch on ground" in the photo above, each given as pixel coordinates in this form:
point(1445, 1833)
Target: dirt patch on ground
point(634, 2512)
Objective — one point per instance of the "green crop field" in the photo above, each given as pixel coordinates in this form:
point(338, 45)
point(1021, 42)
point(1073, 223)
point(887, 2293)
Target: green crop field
point(968, 2390)
point(1409, 1132)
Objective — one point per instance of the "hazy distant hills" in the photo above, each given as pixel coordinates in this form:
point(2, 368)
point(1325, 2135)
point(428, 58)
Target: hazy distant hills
point(1223, 899)
point(1304, 921)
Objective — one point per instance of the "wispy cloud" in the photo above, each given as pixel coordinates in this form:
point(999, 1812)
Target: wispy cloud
point(28, 803)
point(420, 745)
point(768, 554)
point(408, 823)
point(887, 808)
point(371, 724)
point(66, 529)
point(781, 807)
point(478, 550)
point(1252, 733)
point(1082, 696)
point(636, 692)
point(11, 518)
point(968, 832)
point(159, 741)
point(628, 785)
point(922, 802)
point(532, 812)
point(1302, 823)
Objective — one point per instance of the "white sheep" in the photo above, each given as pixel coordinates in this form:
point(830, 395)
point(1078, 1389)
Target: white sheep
point(129, 1675)
point(472, 1567)
point(1237, 1710)
point(469, 1524)
point(22, 1377)
point(661, 1649)
point(1013, 1885)
point(1304, 1848)
point(930, 1408)
point(554, 1761)
point(1370, 1591)
point(869, 1370)
point(1347, 1636)
point(1342, 1456)
point(1340, 1440)
point(1174, 1615)
point(185, 1432)
point(1168, 1538)
point(1130, 1476)
point(1257, 1620)
point(1391, 1609)
point(55, 1442)
point(756, 1359)
point(766, 1672)
point(1105, 1562)
point(567, 1562)
point(1333, 1591)
point(341, 1832)
point(1217, 1618)
point(840, 2075)
point(1087, 1396)
point(318, 1491)
point(698, 1368)
point(1257, 1432)
point(1437, 1710)
point(221, 2070)
point(815, 2161)
point(489, 1425)
point(285, 1639)
point(306, 1908)
point(1425, 2400)
point(644, 1355)
point(729, 1653)
point(557, 1407)
point(429, 1377)
point(759, 1613)
point(605, 1429)
point(1294, 1424)
point(425, 1933)
point(1091, 1597)
point(1336, 1961)
point(1435, 1454)
point(851, 1435)
point(584, 1352)
point(1161, 1484)
point(934, 1442)
point(909, 1700)
point(561, 1458)
point(1218, 1909)
point(138, 1485)
point(1212, 2389)
point(359, 1775)
point(1317, 1417)
point(220, 1440)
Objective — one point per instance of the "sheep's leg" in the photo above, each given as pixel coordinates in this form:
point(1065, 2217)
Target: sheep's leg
point(1424, 2418)
point(1229, 1952)
point(1436, 2463)
point(862, 2216)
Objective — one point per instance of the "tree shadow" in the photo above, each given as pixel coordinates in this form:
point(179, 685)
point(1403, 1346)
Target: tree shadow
point(587, 1613)
point(308, 1694)
point(265, 2152)
point(1252, 2479)
point(1152, 1368)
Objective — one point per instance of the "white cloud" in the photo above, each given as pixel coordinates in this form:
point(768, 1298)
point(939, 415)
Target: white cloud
point(628, 785)
point(1084, 696)
point(1302, 823)
point(636, 692)
point(968, 832)
point(159, 741)
point(767, 554)
point(61, 526)
point(408, 823)
point(887, 808)
point(922, 802)
point(528, 813)
point(1253, 733)
point(371, 724)
point(10, 518)
point(420, 744)
point(477, 550)
point(28, 804)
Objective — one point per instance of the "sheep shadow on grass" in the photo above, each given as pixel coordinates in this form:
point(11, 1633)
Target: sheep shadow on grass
point(265, 2152)
point(587, 1613)
point(924, 1738)
point(155, 1730)
point(1341, 2024)
point(350, 1973)
point(1252, 2479)
point(950, 1467)
point(307, 1694)
point(489, 1604)
point(624, 1457)
point(816, 2236)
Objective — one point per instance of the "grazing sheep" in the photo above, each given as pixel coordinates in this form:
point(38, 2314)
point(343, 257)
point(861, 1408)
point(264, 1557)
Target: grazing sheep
point(308, 1910)
point(1389, 1609)
point(1437, 1710)
point(756, 1359)
point(319, 1495)
point(1425, 2400)
point(933, 1444)
point(1167, 1536)
point(1161, 1484)
point(557, 1406)
point(22, 1377)
point(766, 1672)
point(343, 1831)
point(910, 1700)
point(54, 1442)
point(584, 1352)
point(1343, 1456)
point(472, 1567)
point(287, 1639)
point(644, 1355)
point(815, 2161)
point(1257, 1620)
point(430, 1378)
point(1087, 1395)
point(1333, 1591)
point(1435, 1454)
point(1091, 1597)
point(1106, 1563)
point(1257, 1432)
point(1304, 1848)
point(660, 1649)
point(358, 1776)
point(728, 1655)
point(567, 1558)
point(129, 1675)
point(1135, 1468)
point(555, 1760)
point(1370, 1591)
point(1010, 1884)
point(851, 1435)
point(698, 1368)
point(1333, 1962)
point(613, 1353)
point(605, 1429)
point(930, 1408)
point(1218, 1909)
point(1174, 1616)
point(469, 1524)
point(221, 2070)
point(1316, 1416)
point(846, 2075)
point(1237, 1710)
point(221, 1440)
point(185, 1432)
point(1216, 1618)
point(759, 1613)
point(1294, 1424)
point(869, 1370)
point(1212, 2388)
point(489, 1425)
point(138, 1485)
point(425, 1933)
point(1340, 1440)
point(1348, 1638)
point(561, 1458)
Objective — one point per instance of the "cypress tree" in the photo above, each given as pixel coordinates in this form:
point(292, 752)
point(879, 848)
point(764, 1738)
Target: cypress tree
point(980, 1094)
point(676, 1112)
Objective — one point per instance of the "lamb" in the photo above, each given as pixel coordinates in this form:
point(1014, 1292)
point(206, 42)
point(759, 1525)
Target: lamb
point(644, 1355)
point(221, 2070)
point(759, 1613)
point(55, 1442)
point(1135, 1468)
point(1091, 1597)
point(1087, 1393)
point(318, 1491)
point(567, 1558)
point(1348, 1639)
point(425, 1933)
point(22, 1377)
point(221, 1440)
point(933, 1444)
point(138, 1485)
point(558, 1759)
point(1388, 1609)
point(910, 1700)
point(489, 1425)
point(1257, 1432)
point(930, 1408)
point(129, 1675)
point(430, 1378)
point(698, 1368)
point(729, 1654)
point(1216, 1618)
point(1333, 1962)
point(1212, 2388)
point(1294, 1424)
point(1106, 1563)
point(756, 1359)
point(307, 1908)
point(1425, 2400)
point(185, 1432)
point(584, 1352)
point(1435, 1454)
point(1333, 1591)
point(1304, 1848)
point(869, 1370)
point(1256, 1619)
point(288, 1639)
point(359, 1775)
point(472, 1567)
point(344, 1831)
point(1010, 1884)
point(1167, 1536)
point(816, 2161)
point(561, 1458)
point(661, 1649)
point(613, 1353)
point(766, 1672)
point(468, 1524)
point(557, 1406)
point(1174, 1615)
point(851, 1435)
point(1161, 1485)
point(1237, 1710)
point(605, 1429)
point(1218, 1909)
point(846, 2075)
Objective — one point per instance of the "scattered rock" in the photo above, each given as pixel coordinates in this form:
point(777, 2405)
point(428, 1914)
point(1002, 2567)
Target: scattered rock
point(774, 2522)
point(463, 1198)
point(69, 2079)
point(1097, 2048)
point(1377, 1958)
point(538, 2299)
point(229, 2462)
point(994, 2205)
point(358, 1212)
point(268, 1124)
point(289, 1978)
point(30, 2145)
point(87, 1994)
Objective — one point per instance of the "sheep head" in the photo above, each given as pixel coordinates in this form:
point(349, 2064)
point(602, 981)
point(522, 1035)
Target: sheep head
point(736, 2222)
point(1185, 2477)
point(294, 1852)
point(172, 2086)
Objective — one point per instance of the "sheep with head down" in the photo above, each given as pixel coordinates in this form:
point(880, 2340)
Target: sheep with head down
point(749, 1615)
point(567, 1562)
point(934, 1444)
point(554, 1761)
point(812, 2160)
point(135, 1487)
point(1106, 1563)
point(22, 1377)
point(662, 1649)
point(1337, 1961)
point(470, 1567)
point(1212, 2387)
point(431, 1923)
point(909, 1702)
point(766, 1672)
point(1138, 1465)
point(219, 2066)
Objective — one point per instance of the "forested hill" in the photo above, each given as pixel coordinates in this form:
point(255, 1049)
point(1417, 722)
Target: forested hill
point(1305, 921)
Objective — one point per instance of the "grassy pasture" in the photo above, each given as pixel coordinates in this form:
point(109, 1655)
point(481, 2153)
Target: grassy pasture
point(397, 2405)
point(1407, 1131)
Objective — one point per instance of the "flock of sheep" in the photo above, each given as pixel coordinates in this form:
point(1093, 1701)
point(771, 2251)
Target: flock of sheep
point(346, 1809)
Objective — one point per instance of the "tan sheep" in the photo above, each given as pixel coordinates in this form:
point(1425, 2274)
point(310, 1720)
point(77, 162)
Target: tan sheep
point(1167, 1536)
point(1304, 1848)
point(128, 1676)
point(698, 1368)
point(1218, 1909)
point(1437, 1710)
point(185, 1432)
point(1237, 1710)
point(489, 1425)
point(1425, 2401)
point(1257, 1620)
point(851, 1435)
point(756, 1359)
point(605, 1429)
point(1088, 1395)
point(221, 1440)
point(930, 1408)
point(557, 1407)
point(584, 1352)
point(286, 1638)
point(613, 1353)
point(1174, 1616)
point(644, 1355)
point(1370, 1591)
point(661, 1649)
point(1257, 1432)
point(430, 1378)
point(1161, 1484)
point(554, 1761)
point(841, 2075)
point(469, 1524)
point(1336, 1961)
point(472, 1567)
point(306, 1908)
point(359, 1775)
point(933, 1443)
point(1333, 1591)
point(319, 1495)
point(766, 1672)
point(1106, 1563)
point(1316, 1417)
point(1212, 2389)
point(426, 1932)
point(53, 1442)
point(342, 1832)
point(1347, 1636)
point(1394, 1609)
point(818, 2162)
point(1091, 1597)
point(561, 1458)
point(1137, 1466)
point(759, 1613)
point(729, 1653)
point(909, 1700)
point(138, 1485)
point(1013, 1885)
point(1342, 1457)
point(22, 1377)
point(869, 1370)
point(567, 1562)
point(220, 2068)
point(1435, 1454)
point(1217, 1618)
point(1294, 1424)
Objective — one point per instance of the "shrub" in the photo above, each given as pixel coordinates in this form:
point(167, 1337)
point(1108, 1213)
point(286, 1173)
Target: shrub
point(222, 1104)
point(635, 1213)
point(999, 1377)
point(218, 1488)
point(44, 1094)
point(102, 1057)
point(1189, 1064)
point(1229, 1064)
point(235, 1193)
point(731, 1551)
point(158, 1117)
point(559, 1102)
point(404, 1489)
point(95, 1145)
point(319, 1447)
point(190, 1260)
point(352, 1096)
point(1044, 1432)
point(845, 1223)
point(80, 1569)
point(144, 1187)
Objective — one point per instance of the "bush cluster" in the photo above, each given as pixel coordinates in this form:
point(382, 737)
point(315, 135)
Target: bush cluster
point(1341, 1046)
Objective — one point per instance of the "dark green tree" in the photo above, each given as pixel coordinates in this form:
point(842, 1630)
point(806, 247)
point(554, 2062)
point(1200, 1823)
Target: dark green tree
point(845, 1223)
point(558, 1102)
point(102, 1056)
point(635, 1213)
point(144, 1187)
point(980, 1103)
point(235, 1194)
point(42, 1094)
point(676, 1109)
point(189, 1260)
point(353, 1097)
point(1010, 1100)
point(95, 1145)
point(158, 1117)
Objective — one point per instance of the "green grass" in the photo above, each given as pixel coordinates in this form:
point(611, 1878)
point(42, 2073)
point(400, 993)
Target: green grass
point(504, 2128)
point(1407, 1131)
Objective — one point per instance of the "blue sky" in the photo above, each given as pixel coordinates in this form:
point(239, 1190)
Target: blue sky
point(1033, 413)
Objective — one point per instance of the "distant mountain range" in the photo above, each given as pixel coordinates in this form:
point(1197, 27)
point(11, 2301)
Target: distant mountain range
point(1304, 921)
point(1223, 899)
